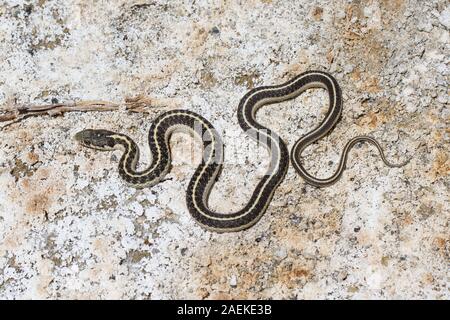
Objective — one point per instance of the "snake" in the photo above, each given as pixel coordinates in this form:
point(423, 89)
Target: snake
point(208, 171)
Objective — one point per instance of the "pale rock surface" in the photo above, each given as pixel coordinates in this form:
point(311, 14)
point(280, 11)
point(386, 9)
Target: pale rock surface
point(70, 228)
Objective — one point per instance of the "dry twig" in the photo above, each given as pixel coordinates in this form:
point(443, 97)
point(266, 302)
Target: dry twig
point(136, 104)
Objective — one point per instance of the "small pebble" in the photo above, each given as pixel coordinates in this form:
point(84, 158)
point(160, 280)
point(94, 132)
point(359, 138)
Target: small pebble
point(233, 281)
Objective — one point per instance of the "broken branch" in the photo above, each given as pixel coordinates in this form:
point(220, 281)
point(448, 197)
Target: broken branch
point(134, 104)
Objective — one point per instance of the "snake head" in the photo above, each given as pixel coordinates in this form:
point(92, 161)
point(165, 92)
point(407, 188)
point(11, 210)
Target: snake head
point(97, 139)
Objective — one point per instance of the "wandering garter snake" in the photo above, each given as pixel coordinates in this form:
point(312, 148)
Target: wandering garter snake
point(212, 155)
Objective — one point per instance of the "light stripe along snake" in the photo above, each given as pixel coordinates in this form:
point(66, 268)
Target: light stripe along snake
point(207, 172)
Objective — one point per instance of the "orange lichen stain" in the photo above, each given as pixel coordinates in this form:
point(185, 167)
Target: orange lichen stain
point(292, 239)
point(102, 247)
point(218, 266)
point(30, 184)
point(317, 13)
point(42, 174)
point(393, 7)
point(371, 120)
point(432, 117)
point(45, 277)
point(427, 278)
point(355, 74)
point(439, 135)
point(12, 240)
point(25, 184)
point(440, 244)
point(334, 221)
point(363, 48)
point(441, 166)
point(365, 238)
point(196, 40)
point(371, 85)
point(330, 56)
point(32, 157)
point(247, 280)
point(24, 136)
point(202, 292)
point(220, 296)
point(387, 113)
point(316, 230)
point(290, 275)
point(406, 220)
point(297, 66)
point(38, 203)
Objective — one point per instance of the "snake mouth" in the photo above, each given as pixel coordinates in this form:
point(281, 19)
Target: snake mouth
point(79, 136)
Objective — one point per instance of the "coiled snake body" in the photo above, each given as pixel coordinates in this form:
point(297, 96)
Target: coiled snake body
point(207, 172)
